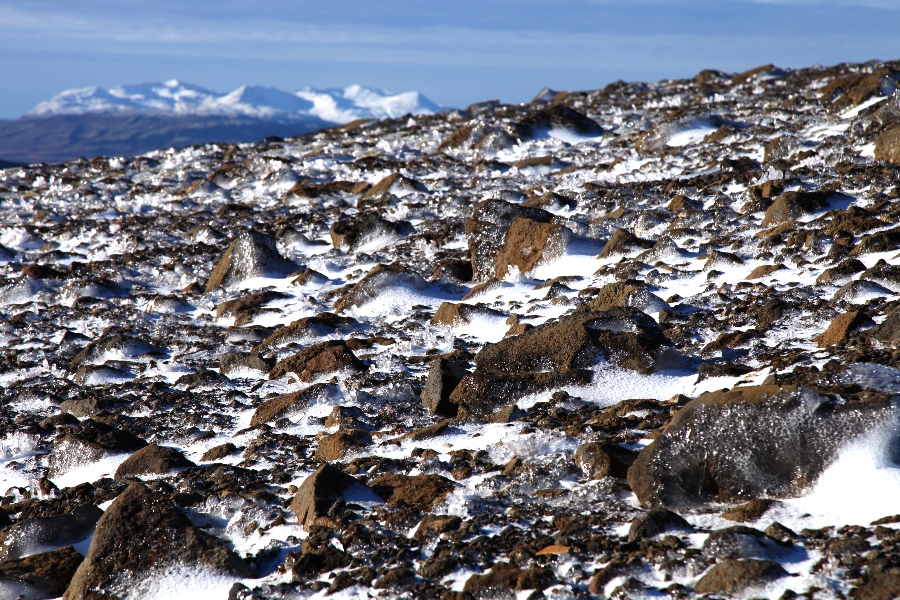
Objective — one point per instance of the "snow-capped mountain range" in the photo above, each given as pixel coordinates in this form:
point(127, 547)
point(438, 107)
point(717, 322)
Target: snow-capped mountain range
point(175, 97)
point(134, 119)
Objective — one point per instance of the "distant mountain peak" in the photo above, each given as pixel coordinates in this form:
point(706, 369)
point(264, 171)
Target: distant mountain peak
point(335, 105)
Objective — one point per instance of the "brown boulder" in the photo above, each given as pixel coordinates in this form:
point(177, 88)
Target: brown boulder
point(287, 404)
point(380, 279)
point(152, 459)
point(623, 241)
point(599, 460)
point(504, 576)
point(751, 441)
point(218, 452)
point(319, 492)
point(734, 575)
point(887, 146)
point(842, 326)
point(487, 229)
point(119, 559)
point(351, 233)
point(45, 575)
point(884, 585)
point(301, 330)
point(336, 445)
point(89, 441)
point(421, 491)
point(561, 352)
point(251, 254)
point(790, 206)
point(750, 511)
point(317, 360)
point(451, 313)
point(763, 271)
point(527, 242)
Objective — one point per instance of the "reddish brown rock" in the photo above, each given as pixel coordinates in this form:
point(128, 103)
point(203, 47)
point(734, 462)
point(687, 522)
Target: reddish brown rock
point(421, 491)
point(317, 360)
point(733, 575)
point(337, 445)
point(287, 404)
point(152, 459)
point(319, 492)
point(842, 326)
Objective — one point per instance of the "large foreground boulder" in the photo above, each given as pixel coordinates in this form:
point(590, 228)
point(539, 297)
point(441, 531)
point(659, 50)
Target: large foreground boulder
point(251, 254)
point(738, 444)
point(142, 532)
point(563, 352)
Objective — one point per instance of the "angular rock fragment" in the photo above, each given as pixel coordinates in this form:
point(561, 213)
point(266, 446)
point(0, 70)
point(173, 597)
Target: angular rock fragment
point(790, 206)
point(288, 404)
point(380, 280)
point(504, 576)
point(747, 442)
point(366, 229)
point(337, 445)
point(251, 254)
point(317, 360)
point(451, 313)
point(561, 352)
point(487, 229)
point(236, 362)
point(656, 521)
point(88, 442)
point(598, 460)
point(152, 459)
point(734, 575)
point(421, 491)
point(443, 378)
point(321, 490)
point(39, 576)
point(35, 534)
point(623, 241)
point(887, 146)
point(842, 326)
point(120, 561)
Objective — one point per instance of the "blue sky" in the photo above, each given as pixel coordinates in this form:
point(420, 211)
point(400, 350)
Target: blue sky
point(454, 52)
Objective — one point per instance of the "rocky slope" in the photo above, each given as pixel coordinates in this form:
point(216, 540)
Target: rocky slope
point(632, 342)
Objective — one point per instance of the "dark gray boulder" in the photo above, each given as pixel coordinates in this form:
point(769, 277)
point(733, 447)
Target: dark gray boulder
point(751, 441)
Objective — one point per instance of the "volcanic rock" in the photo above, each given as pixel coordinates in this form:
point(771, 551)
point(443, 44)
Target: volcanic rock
point(40, 576)
point(381, 279)
point(443, 378)
point(118, 559)
point(563, 351)
point(88, 442)
point(656, 521)
point(742, 443)
point(320, 490)
point(363, 229)
point(35, 534)
point(842, 326)
point(152, 459)
point(288, 404)
point(734, 575)
point(251, 254)
point(487, 229)
point(317, 360)
point(598, 460)
point(421, 491)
